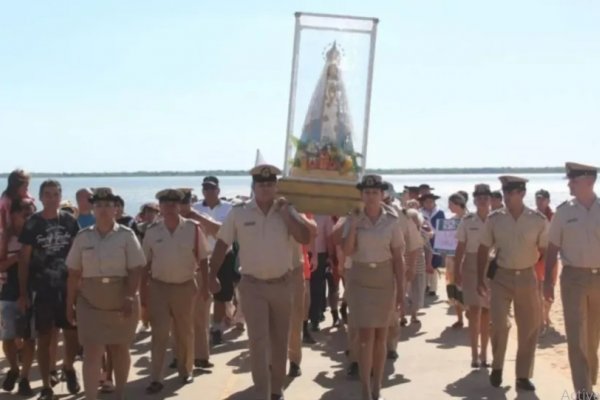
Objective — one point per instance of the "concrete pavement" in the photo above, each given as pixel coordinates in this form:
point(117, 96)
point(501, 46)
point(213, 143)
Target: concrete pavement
point(434, 363)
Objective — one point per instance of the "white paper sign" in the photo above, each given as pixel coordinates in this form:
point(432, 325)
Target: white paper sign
point(445, 236)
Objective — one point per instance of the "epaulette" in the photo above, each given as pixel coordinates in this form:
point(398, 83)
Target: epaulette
point(191, 221)
point(539, 214)
point(499, 211)
point(564, 203)
point(239, 204)
point(469, 216)
point(152, 225)
point(84, 230)
point(124, 228)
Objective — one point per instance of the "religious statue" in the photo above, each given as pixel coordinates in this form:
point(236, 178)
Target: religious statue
point(325, 149)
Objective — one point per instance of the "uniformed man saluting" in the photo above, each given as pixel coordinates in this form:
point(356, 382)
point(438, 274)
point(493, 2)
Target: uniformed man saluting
point(519, 235)
point(575, 232)
point(267, 230)
point(175, 248)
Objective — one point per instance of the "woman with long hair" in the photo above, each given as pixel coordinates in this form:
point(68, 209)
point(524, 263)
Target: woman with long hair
point(16, 188)
point(374, 240)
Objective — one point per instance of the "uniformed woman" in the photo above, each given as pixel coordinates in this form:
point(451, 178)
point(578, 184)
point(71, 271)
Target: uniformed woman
point(373, 239)
point(468, 234)
point(105, 264)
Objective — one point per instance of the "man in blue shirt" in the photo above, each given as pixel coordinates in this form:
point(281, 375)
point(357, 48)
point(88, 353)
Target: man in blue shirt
point(85, 218)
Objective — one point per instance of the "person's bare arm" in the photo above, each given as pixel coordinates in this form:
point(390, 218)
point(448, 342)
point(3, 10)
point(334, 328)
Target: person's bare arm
point(398, 261)
point(73, 280)
point(459, 256)
point(216, 260)
point(8, 262)
point(24, 259)
point(295, 226)
point(483, 255)
point(549, 264)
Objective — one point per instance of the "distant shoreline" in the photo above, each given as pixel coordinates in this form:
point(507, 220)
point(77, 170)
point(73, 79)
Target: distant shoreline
point(392, 171)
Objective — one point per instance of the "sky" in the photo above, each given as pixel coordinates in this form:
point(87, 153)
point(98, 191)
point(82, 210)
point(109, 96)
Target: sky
point(112, 85)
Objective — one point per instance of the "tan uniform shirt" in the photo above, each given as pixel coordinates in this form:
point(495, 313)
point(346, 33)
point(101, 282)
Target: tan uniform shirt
point(576, 230)
point(376, 241)
point(470, 229)
point(516, 241)
point(109, 256)
point(172, 256)
point(412, 237)
point(266, 245)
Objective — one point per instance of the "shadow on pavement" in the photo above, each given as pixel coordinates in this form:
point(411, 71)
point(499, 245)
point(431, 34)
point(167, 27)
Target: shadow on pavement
point(450, 338)
point(476, 385)
point(551, 338)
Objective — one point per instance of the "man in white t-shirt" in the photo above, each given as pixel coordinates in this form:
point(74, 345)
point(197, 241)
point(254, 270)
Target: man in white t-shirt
point(218, 210)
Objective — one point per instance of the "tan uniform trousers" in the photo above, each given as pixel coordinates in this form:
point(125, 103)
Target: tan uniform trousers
point(267, 307)
point(580, 291)
point(201, 327)
point(520, 287)
point(298, 316)
point(172, 302)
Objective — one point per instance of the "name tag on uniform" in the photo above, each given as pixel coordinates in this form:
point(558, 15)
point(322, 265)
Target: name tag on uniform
point(159, 240)
point(105, 280)
point(572, 220)
point(88, 248)
point(250, 223)
point(473, 229)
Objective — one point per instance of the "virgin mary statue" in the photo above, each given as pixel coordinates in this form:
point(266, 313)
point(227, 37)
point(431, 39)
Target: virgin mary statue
point(325, 148)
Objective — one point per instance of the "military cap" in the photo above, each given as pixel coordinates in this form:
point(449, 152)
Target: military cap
point(425, 186)
point(575, 170)
point(187, 194)
point(210, 182)
point(372, 182)
point(103, 194)
point(265, 173)
point(411, 189)
point(426, 196)
point(170, 195)
point(543, 194)
point(482, 189)
point(510, 182)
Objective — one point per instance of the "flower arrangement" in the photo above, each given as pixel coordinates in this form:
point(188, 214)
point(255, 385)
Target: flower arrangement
point(324, 157)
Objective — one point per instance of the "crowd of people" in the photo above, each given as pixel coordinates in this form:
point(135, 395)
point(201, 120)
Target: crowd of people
point(188, 270)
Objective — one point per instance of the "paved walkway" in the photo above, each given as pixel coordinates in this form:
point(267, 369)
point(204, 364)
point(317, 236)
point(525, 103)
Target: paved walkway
point(434, 364)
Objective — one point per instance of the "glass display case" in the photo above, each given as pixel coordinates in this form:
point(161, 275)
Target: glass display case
point(328, 114)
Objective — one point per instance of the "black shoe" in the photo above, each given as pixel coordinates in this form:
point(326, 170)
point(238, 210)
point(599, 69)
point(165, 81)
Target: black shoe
point(173, 364)
point(277, 397)
point(204, 364)
point(336, 318)
point(392, 355)
point(496, 377)
point(403, 321)
point(295, 370)
point(344, 312)
point(10, 380)
point(307, 338)
point(71, 379)
point(24, 388)
point(187, 380)
point(55, 378)
point(431, 294)
point(155, 387)
point(314, 327)
point(525, 384)
point(47, 394)
point(216, 337)
point(353, 370)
